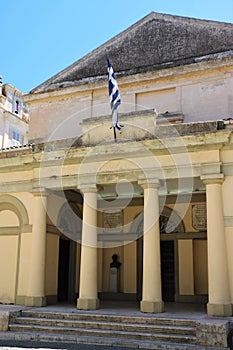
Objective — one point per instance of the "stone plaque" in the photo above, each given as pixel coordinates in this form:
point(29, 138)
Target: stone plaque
point(199, 217)
point(113, 221)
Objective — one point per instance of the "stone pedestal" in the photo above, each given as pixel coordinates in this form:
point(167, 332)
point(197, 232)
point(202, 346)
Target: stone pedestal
point(113, 280)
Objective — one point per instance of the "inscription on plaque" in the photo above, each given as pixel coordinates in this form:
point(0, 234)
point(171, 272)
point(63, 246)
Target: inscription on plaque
point(113, 221)
point(199, 217)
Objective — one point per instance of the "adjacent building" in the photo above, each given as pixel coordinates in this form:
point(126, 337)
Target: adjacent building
point(14, 117)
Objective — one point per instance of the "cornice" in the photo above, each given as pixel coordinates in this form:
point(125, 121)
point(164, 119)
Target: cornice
point(221, 139)
point(99, 83)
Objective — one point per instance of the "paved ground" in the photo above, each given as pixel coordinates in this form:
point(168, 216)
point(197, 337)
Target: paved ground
point(128, 308)
point(121, 308)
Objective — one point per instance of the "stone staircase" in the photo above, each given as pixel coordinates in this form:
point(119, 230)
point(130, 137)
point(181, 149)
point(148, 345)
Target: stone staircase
point(106, 329)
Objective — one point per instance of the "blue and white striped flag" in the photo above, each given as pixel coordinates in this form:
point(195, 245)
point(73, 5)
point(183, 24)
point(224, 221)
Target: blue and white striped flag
point(114, 94)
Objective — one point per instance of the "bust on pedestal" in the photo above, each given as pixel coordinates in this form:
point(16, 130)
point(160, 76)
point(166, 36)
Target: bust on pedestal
point(114, 277)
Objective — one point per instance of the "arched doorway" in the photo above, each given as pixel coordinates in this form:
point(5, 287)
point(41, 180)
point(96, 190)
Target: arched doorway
point(170, 224)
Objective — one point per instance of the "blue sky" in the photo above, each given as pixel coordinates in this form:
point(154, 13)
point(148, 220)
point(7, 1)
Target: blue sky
point(39, 38)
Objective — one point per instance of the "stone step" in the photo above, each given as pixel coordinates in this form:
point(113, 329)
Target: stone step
point(177, 338)
point(109, 318)
point(103, 324)
point(108, 341)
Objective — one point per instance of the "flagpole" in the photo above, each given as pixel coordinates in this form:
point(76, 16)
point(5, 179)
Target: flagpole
point(115, 99)
point(114, 132)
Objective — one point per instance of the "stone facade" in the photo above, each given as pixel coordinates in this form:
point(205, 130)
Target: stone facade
point(213, 333)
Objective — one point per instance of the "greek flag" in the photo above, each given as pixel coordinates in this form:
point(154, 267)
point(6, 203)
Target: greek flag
point(114, 94)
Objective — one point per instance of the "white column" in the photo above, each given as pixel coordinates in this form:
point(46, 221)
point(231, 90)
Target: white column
point(151, 288)
point(36, 279)
point(88, 287)
point(219, 295)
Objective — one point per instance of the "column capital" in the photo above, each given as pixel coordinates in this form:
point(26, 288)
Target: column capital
point(88, 188)
point(212, 179)
point(149, 183)
point(40, 192)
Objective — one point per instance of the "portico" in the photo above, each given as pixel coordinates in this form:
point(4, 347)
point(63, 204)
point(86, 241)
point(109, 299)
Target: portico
point(150, 217)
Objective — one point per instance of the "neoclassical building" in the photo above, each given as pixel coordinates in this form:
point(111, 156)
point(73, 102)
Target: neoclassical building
point(160, 197)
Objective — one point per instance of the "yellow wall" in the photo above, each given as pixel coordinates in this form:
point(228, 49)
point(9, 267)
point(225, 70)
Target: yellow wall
point(227, 190)
point(51, 272)
point(186, 278)
point(200, 267)
point(27, 200)
point(24, 263)
point(130, 214)
point(8, 218)
point(75, 108)
point(8, 271)
point(205, 99)
point(163, 100)
point(130, 267)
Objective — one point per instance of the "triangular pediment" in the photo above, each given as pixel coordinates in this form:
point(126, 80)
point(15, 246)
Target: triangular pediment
point(156, 42)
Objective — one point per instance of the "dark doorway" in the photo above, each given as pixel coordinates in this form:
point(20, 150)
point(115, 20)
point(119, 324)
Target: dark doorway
point(168, 270)
point(67, 271)
point(63, 270)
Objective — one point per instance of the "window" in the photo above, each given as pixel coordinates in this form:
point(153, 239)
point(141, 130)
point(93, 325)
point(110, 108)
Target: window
point(15, 135)
point(15, 139)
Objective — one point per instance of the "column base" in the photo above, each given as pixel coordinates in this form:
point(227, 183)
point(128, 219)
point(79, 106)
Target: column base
point(152, 306)
point(35, 301)
point(87, 304)
point(219, 309)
